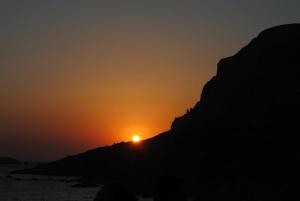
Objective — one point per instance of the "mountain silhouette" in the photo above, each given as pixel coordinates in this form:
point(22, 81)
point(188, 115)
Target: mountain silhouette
point(7, 160)
point(239, 142)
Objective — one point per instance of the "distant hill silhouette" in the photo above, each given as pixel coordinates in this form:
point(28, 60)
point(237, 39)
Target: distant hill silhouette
point(239, 142)
point(7, 160)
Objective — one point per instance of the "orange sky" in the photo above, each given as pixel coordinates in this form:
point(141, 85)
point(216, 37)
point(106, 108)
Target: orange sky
point(102, 90)
point(75, 76)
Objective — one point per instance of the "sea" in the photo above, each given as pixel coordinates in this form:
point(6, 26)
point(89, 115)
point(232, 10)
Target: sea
point(42, 188)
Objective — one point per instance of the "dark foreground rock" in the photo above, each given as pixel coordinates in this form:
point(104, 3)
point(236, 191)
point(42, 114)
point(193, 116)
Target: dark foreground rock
point(115, 192)
point(239, 142)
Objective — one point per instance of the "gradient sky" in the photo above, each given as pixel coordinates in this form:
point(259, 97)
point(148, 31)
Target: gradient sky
point(75, 75)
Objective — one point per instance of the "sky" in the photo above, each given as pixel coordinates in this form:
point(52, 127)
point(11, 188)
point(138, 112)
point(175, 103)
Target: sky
point(75, 75)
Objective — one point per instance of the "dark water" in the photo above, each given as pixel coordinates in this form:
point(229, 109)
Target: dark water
point(41, 188)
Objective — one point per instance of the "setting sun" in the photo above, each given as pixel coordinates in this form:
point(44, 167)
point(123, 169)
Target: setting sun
point(136, 138)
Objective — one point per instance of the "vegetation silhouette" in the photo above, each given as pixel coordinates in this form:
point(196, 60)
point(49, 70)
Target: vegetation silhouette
point(239, 142)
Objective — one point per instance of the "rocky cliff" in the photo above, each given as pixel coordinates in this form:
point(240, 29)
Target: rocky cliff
point(258, 86)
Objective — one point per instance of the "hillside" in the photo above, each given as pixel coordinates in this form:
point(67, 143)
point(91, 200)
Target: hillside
point(239, 140)
point(7, 160)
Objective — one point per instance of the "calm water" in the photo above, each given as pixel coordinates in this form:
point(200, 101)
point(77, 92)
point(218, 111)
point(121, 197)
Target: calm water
point(41, 188)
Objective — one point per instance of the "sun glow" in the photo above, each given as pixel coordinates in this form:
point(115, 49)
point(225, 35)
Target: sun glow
point(136, 138)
